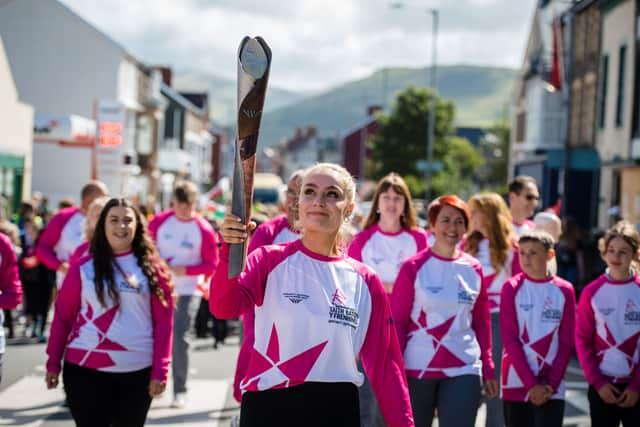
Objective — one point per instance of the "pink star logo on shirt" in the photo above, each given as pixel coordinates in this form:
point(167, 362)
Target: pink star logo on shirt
point(442, 358)
point(99, 356)
point(627, 347)
point(296, 369)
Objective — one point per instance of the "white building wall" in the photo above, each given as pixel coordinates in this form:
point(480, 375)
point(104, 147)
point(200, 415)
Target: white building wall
point(613, 141)
point(16, 121)
point(617, 30)
point(62, 65)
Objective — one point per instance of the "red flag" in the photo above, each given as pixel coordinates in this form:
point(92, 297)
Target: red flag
point(556, 74)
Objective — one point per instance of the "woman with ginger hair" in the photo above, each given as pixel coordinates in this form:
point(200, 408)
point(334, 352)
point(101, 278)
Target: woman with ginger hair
point(492, 241)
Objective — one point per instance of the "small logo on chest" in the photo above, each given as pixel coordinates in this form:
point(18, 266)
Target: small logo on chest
point(341, 314)
point(631, 313)
point(295, 297)
point(464, 296)
point(549, 312)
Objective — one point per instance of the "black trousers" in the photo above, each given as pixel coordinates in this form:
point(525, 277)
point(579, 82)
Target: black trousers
point(107, 399)
point(605, 415)
point(526, 414)
point(308, 404)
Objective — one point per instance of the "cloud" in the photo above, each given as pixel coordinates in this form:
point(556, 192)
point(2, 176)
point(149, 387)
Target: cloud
point(316, 43)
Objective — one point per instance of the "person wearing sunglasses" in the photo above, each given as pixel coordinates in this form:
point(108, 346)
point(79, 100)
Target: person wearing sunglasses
point(523, 201)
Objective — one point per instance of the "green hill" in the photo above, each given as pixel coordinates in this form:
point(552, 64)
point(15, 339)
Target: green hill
point(222, 94)
point(481, 95)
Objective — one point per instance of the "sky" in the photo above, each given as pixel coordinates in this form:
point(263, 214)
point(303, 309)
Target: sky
point(316, 44)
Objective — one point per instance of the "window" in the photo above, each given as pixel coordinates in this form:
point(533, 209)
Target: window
point(603, 90)
point(622, 63)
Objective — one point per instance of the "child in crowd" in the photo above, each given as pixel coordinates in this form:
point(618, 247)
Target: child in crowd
point(608, 332)
point(537, 318)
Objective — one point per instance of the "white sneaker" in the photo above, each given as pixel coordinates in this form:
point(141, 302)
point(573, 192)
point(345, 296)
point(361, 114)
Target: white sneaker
point(179, 400)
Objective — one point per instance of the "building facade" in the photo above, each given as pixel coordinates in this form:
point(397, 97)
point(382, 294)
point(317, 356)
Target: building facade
point(16, 122)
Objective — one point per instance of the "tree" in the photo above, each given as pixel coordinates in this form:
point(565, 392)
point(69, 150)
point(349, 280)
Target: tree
point(402, 138)
point(495, 149)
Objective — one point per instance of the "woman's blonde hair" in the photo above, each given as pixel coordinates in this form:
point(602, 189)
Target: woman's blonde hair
point(395, 182)
point(499, 228)
point(346, 183)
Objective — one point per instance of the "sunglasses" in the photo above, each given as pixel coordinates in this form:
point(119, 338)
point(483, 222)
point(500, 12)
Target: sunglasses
point(531, 197)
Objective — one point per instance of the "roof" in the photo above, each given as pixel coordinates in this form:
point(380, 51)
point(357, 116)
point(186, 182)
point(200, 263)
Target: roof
point(364, 123)
point(173, 95)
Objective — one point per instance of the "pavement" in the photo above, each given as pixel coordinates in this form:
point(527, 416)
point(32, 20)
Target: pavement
point(25, 401)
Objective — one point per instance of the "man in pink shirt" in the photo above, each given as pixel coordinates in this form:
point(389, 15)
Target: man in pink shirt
point(523, 201)
point(187, 242)
point(64, 232)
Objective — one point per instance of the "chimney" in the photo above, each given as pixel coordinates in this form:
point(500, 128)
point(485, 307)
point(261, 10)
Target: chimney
point(373, 109)
point(167, 74)
point(312, 132)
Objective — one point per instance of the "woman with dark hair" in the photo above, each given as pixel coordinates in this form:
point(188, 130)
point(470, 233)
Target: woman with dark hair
point(440, 309)
point(113, 323)
point(389, 237)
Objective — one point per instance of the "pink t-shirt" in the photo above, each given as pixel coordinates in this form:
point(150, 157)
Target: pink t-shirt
point(385, 252)
point(441, 314)
point(189, 243)
point(62, 235)
point(271, 232)
point(130, 336)
point(494, 280)
point(10, 287)
point(537, 319)
point(314, 316)
point(608, 332)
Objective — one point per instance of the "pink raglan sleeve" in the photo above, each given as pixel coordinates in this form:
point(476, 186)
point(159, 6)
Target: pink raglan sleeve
point(565, 336)
point(231, 297)
point(208, 251)
point(155, 224)
point(162, 319)
point(420, 237)
point(262, 236)
point(585, 331)
point(356, 245)
point(402, 298)
point(481, 324)
point(515, 262)
point(10, 286)
point(49, 239)
point(248, 340)
point(382, 360)
point(79, 252)
point(510, 332)
point(67, 307)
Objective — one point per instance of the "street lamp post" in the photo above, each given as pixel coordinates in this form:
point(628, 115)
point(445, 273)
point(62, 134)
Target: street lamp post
point(432, 111)
point(431, 125)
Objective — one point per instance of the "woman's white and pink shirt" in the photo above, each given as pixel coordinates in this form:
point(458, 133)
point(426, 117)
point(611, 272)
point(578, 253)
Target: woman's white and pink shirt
point(385, 252)
point(537, 319)
point(314, 315)
point(130, 336)
point(608, 332)
point(441, 314)
point(190, 243)
point(272, 232)
point(494, 280)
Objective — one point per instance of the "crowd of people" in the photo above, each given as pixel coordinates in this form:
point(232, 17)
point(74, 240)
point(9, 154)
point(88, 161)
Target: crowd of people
point(370, 323)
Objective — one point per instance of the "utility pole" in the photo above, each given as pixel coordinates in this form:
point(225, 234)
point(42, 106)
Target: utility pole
point(431, 134)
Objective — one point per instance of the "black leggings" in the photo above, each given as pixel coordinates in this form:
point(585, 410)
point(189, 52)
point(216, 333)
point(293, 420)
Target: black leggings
point(107, 399)
point(605, 415)
point(526, 414)
point(308, 404)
